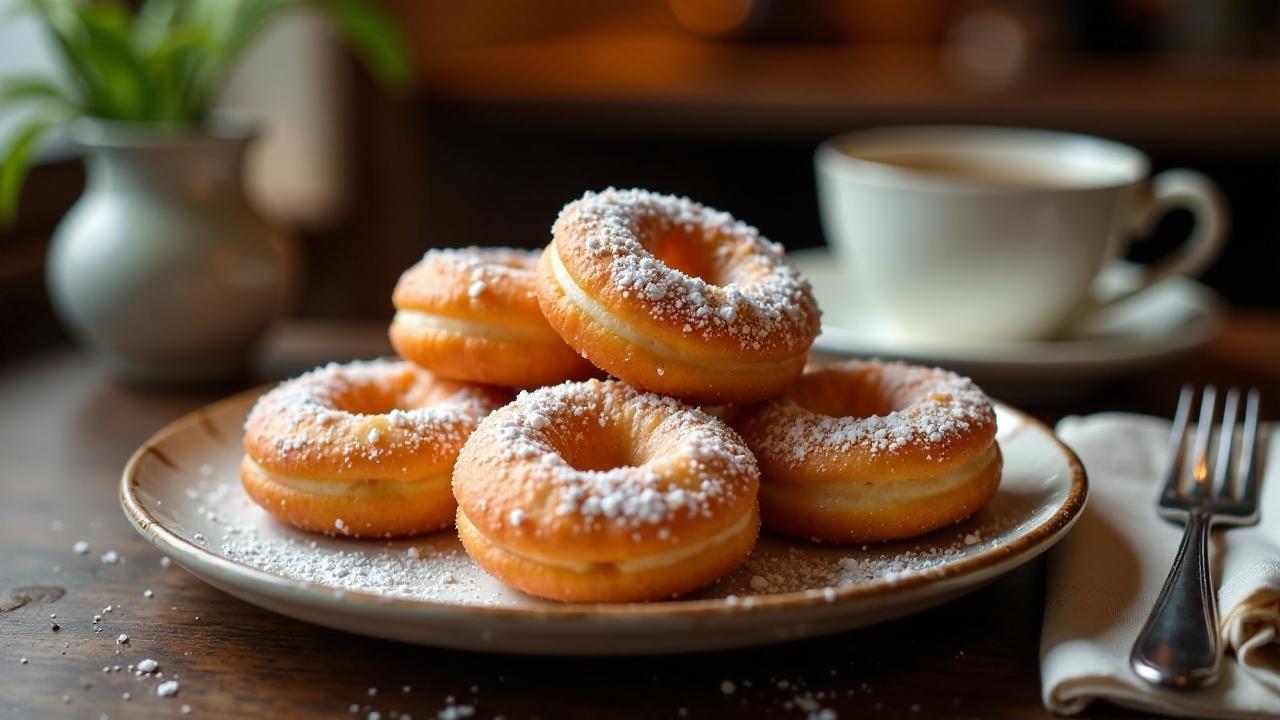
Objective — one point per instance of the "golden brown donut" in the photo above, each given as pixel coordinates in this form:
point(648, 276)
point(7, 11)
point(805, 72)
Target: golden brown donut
point(867, 450)
point(597, 492)
point(363, 449)
point(675, 297)
point(472, 314)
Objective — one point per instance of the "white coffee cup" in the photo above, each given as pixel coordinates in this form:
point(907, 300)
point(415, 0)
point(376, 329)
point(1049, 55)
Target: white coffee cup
point(986, 233)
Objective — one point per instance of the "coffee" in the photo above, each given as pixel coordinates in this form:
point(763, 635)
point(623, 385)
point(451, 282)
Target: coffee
point(975, 171)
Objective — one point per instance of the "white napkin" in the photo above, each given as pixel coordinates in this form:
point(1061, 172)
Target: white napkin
point(1104, 577)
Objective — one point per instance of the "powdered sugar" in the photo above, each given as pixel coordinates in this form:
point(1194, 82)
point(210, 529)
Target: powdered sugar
point(753, 296)
point(306, 420)
point(931, 407)
point(168, 688)
point(478, 268)
point(705, 469)
point(435, 568)
point(821, 571)
point(484, 259)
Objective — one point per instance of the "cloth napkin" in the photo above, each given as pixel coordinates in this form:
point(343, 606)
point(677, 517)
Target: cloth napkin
point(1103, 579)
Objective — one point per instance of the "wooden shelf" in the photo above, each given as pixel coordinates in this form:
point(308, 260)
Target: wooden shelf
point(665, 82)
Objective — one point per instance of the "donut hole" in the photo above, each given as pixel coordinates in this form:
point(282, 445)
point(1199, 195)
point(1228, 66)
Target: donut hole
point(709, 256)
point(591, 447)
point(685, 253)
point(599, 456)
point(395, 393)
point(843, 394)
point(368, 400)
point(631, 438)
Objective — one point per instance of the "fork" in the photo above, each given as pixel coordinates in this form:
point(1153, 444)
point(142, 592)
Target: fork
point(1179, 645)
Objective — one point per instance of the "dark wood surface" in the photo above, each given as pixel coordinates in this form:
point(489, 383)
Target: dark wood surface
point(66, 430)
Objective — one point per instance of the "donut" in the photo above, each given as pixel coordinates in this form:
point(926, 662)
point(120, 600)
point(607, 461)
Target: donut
point(363, 449)
point(598, 492)
point(472, 314)
point(675, 297)
point(867, 451)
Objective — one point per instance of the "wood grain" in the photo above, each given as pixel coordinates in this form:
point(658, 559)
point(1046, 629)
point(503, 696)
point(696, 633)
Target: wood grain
point(66, 431)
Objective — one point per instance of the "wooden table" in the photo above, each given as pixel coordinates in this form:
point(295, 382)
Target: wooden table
point(66, 430)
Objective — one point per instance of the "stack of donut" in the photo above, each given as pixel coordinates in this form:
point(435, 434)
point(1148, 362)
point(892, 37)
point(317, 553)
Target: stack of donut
point(587, 489)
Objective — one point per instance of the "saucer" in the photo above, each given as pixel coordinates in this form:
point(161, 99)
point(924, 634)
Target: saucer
point(1168, 321)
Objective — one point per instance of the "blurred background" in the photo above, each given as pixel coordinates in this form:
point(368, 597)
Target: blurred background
point(517, 107)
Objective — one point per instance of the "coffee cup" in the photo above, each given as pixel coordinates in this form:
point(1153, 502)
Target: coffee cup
point(981, 234)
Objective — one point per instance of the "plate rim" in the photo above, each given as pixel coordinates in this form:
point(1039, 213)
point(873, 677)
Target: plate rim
point(1026, 546)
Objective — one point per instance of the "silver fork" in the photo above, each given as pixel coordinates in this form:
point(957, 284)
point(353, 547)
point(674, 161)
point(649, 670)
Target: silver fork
point(1178, 645)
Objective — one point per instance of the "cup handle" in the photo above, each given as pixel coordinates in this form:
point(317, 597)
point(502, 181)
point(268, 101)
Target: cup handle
point(1173, 189)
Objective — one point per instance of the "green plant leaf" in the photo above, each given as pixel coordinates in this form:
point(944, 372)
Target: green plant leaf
point(218, 17)
point(112, 15)
point(107, 46)
point(154, 22)
point(374, 36)
point(254, 17)
point(17, 161)
point(169, 68)
point(207, 71)
point(170, 60)
point(32, 88)
point(65, 30)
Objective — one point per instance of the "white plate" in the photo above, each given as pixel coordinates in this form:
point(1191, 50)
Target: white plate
point(1170, 320)
point(181, 490)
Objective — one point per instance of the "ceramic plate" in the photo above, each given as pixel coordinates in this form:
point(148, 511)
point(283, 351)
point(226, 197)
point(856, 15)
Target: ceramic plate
point(181, 491)
point(1170, 320)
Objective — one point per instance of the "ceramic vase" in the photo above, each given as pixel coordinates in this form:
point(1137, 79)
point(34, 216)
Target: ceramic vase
point(162, 268)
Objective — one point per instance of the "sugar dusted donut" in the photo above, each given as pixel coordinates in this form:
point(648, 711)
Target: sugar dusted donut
point(363, 449)
point(596, 492)
point(472, 314)
point(675, 297)
point(867, 451)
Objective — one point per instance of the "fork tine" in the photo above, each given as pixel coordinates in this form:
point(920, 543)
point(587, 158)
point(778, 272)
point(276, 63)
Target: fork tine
point(1177, 440)
point(1222, 468)
point(1200, 453)
point(1249, 446)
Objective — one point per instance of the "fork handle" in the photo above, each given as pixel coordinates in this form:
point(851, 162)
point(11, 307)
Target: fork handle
point(1179, 645)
